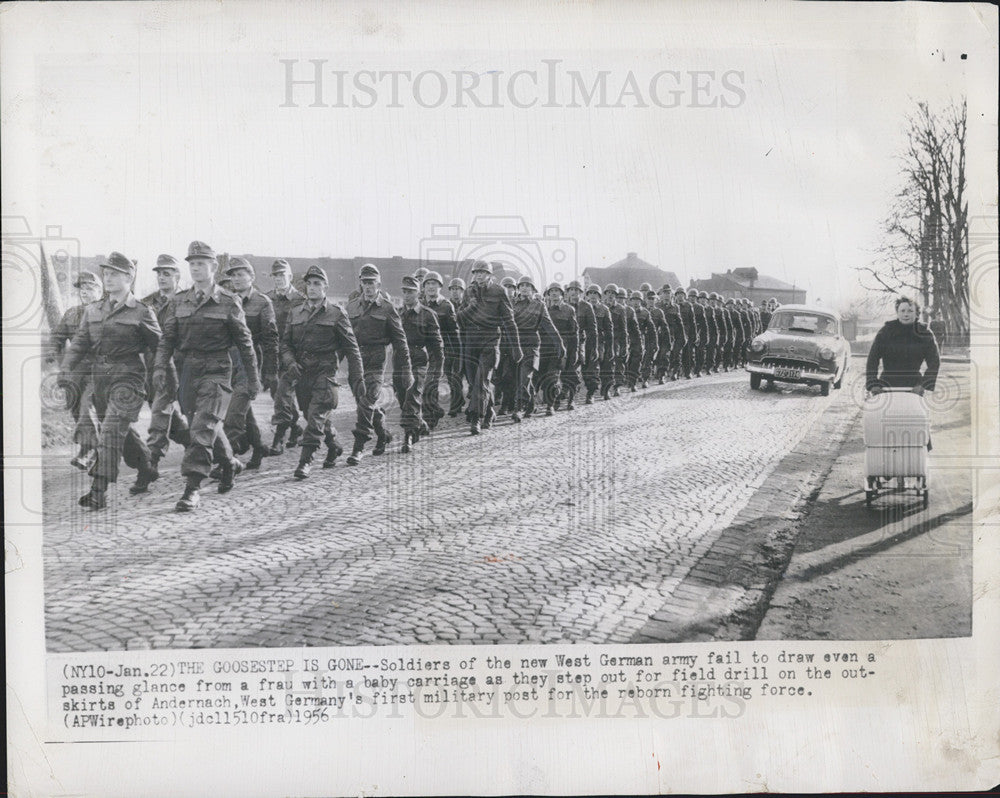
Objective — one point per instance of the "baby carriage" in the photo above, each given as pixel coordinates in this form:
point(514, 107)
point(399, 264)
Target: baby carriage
point(897, 432)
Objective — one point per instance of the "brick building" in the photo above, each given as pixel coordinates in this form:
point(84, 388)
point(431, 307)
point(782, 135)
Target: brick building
point(630, 272)
point(751, 284)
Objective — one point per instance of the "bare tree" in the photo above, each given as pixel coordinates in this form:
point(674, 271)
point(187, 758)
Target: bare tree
point(925, 250)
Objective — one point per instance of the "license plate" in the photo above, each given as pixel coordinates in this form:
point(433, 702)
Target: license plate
point(787, 373)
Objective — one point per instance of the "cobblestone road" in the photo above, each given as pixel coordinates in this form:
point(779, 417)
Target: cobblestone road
point(574, 528)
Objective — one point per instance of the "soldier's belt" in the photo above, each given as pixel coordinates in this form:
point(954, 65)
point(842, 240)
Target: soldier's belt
point(131, 357)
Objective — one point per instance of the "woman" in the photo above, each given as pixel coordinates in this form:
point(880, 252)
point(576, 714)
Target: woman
point(903, 346)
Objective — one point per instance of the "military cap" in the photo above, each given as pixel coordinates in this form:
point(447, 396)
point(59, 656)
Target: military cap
point(703, 295)
point(692, 292)
point(554, 287)
point(730, 301)
point(421, 272)
point(313, 272)
point(508, 282)
point(280, 266)
point(410, 283)
point(574, 284)
point(645, 288)
point(199, 249)
point(611, 288)
point(482, 266)
point(457, 282)
point(635, 295)
point(593, 288)
point(526, 280)
point(238, 264)
point(622, 293)
point(651, 294)
point(85, 277)
point(369, 272)
point(680, 290)
point(772, 299)
point(433, 276)
point(166, 263)
point(714, 295)
point(665, 289)
point(119, 263)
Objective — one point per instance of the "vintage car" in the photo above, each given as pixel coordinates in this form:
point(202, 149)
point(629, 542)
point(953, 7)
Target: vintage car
point(803, 344)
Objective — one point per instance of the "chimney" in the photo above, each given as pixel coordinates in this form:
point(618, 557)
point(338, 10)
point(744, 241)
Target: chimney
point(631, 257)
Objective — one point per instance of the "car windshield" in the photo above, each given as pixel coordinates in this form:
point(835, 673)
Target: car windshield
point(803, 321)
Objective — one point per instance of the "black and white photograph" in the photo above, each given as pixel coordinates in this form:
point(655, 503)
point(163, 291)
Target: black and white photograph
point(639, 338)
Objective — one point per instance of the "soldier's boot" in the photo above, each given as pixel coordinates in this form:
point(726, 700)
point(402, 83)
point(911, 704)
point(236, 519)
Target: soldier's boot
point(383, 439)
point(548, 410)
point(190, 499)
point(256, 458)
point(356, 453)
point(95, 497)
point(305, 462)
point(558, 401)
point(474, 423)
point(85, 458)
point(491, 416)
point(293, 436)
point(569, 401)
point(278, 444)
point(229, 472)
point(408, 440)
point(216, 473)
point(148, 473)
point(425, 429)
point(590, 398)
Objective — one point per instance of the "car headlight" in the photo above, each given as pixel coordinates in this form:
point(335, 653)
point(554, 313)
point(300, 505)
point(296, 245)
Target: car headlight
point(826, 353)
point(757, 345)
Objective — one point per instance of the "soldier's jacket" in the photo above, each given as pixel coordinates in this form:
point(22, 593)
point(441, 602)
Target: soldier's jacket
point(263, 329)
point(158, 302)
point(605, 329)
point(710, 325)
point(448, 321)
point(765, 319)
point(535, 327)
point(283, 304)
point(377, 325)
point(208, 328)
point(678, 330)
point(564, 320)
point(635, 334)
point(756, 321)
point(739, 332)
point(485, 315)
point(691, 330)
point(620, 326)
point(587, 323)
point(658, 319)
point(644, 321)
point(700, 323)
point(319, 338)
point(724, 324)
point(423, 335)
point(65, 330)
point(114, 340)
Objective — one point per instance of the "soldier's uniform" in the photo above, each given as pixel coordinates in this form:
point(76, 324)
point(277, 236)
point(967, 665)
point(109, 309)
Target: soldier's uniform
point(505, 376)
point(711, 340)
point(203, 328)
point(118, 338)
point(701, 328)
point(452, 355)
point(534, 327)
point(722, 324)
point(692, 333)
point(423, 337)
point(286, 409)
point(621, 344)
point(765, 317)
point(648, 336)
point(78, 385)
point(486, 315)
point(747, 323)
point(678, 332)
point(587, 348)
point(316, 337)
point(658, 319)
point(454, 368)
point(240, 424)
point(565, 380)
point(605, 366)
point(738, 333)
point(376, 325)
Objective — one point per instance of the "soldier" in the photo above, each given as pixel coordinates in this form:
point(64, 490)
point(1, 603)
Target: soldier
point(420, 275)
point(620, 326)
point(284, 297)
point(739, 334)
point(660, 362)
point(648, 336)
point(166, 420)
point(605, 340)
point(448, 323)
point(678, 332)
point(765, 315)
point(722, 324)
point(317, 336)
point(486, 315)
point(711, 333)
point(505, 376)
point(587, 347)
point(533, 325)
point(118, 335)
point(78, 385)
point(423, 336)
point(376, 325)
point(692, 333)
point(240, 423)
point(701, 326)
point(202, 324)
point(456, 292)
point(565, 379)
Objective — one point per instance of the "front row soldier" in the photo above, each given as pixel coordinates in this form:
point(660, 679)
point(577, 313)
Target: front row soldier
point(712, 338)
point(587, 347)
point(317, 336)
point(660, 362)
point(724, 326)
point(284, 296)
point(485, 317)
point(423, 338)
point(78, 385)
point(620, 327)
point(452, 351)
point(118, 334)
point(648, 340)
point(533, 325)
point(454, 366)
point(201, 326)
point(693, 340)
point(505, 376)
point(376, 325)
point(605, 341)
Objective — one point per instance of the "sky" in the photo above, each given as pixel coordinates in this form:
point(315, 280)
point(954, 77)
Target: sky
point(139, 127)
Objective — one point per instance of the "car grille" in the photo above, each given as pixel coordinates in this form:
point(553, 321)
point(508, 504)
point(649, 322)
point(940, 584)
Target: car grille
point(789, 363)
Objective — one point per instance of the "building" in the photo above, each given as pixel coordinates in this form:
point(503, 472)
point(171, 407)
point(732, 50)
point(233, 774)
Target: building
point(630, 273)
point(750, 284)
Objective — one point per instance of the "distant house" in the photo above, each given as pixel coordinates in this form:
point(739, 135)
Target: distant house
point(630, 273)
point(751, 284)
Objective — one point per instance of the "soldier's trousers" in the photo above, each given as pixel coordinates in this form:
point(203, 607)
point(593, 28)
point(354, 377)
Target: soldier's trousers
point(549, 378)
point(286, 408)
point(118, 396)
point(410, 397)
point(80, 403)
point(621, 357)
point(570, 376)
point(317, 391)
point(204, 394)
point(370, 416)
point(710, 349)
point(649, 353)
point(687, 359)
point(661, 364)
point(699, 357)
point(633, 366)
point(429, 395)
point(591, 372)
point(240, 424)
point(453, 373)
point(166, 424)
point(607, 370)
point(524, 397)
point(505, 382)
point(738, 351)
point(481, 358)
